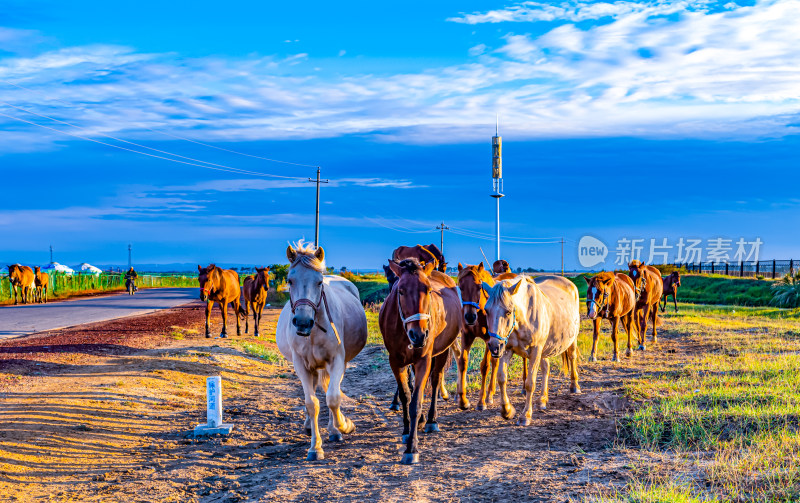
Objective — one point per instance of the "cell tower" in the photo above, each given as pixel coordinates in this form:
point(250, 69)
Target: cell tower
point(497, 181)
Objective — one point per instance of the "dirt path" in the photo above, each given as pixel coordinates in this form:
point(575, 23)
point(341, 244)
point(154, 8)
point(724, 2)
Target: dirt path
point(105, 418)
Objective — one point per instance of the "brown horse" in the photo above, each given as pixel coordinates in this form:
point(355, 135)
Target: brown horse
point(647, 288)
point(423, 254)
point(610, 296)
point(255, 290)
point(473, 326)
point(500, 266)
point(671, 284)
point(419, 322)
point(220, 286)
point(23, 280)
point(41, 281)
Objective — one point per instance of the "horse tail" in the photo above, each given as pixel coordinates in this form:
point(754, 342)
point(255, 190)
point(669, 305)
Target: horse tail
point(565, 363)
point(324, 379)
point(243, 310)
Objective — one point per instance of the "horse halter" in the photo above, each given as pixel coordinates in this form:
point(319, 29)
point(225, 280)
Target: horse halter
point(322, 300)
point(511, 329)
point(605, 303)
point(413, 317)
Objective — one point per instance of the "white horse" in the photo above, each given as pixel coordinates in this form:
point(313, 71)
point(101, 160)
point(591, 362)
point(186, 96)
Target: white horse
point(320, 329)
point(535, 319)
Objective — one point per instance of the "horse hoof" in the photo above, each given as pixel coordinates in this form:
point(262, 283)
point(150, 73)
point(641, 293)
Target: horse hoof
point(432, 428)
point(315, 455)
point(349, 426)
point(575, 390)
point(480, 406)
point(208, 336)
point(336, 437)
point(410, 459)
point(444, 395)
point(592, 359)
point(405, 438)
point(508, 412)
point(629, 353)
point(524, 421)
point(223, 336)
point(464, 405)
point(615, 359)
point(641, 347)
point(394, 406)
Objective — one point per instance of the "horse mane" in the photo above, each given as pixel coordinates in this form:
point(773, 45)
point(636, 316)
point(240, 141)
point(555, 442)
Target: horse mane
point(306, 256)
point(501, 295)
point(479, 277)
point(635, 263)
point(604, 276)
point(411, 265)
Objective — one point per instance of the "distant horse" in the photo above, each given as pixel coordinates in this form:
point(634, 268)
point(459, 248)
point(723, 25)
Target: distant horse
point(610, 296)
point(473, 326)
point(671, 284)
point(220, 286)
point(23, 280)
point(647, 287)
point(255, 290)
point(500, 266)
point(537, 319)
point(391, 277)
point(320, 329)
point(41, 282)
point(419, 321)
point(423, 254)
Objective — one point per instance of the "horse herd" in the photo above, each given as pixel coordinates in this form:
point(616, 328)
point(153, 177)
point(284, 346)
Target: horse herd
point(427, 319)
point(29, 285)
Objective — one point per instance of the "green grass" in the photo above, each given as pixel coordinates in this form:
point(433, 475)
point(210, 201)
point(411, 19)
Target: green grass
point(260, 351)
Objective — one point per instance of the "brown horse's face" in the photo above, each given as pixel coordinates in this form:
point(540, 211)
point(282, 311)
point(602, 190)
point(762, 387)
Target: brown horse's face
point(473, 297)
point(414, 301)
point(262, 277)
point(637, 274)
point(676, 279)
point(204, 277)
point(597, 295)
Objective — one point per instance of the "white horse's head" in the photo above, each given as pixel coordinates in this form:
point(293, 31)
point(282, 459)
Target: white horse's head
point(305, 284)
point(501, 314)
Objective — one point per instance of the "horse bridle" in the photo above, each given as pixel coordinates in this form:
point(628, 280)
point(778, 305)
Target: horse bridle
point(308, 302)
point(413, 317)
point(511, 329)
point(605, 303)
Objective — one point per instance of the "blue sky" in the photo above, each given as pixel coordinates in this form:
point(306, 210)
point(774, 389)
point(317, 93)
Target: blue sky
point(620, 119)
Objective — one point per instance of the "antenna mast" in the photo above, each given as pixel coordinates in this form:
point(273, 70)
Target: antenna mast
point(497, 180)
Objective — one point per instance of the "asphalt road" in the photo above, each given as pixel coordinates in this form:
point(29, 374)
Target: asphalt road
point(27, 319)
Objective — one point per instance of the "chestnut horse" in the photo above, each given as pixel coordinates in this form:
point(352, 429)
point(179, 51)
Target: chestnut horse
point(255, 290)
point(220, 286)
point(419, 321)
point(537, 319)
point(610, 296)
point(671, 284)
point(647, 287)
point(41, 281)
point(473, 326)
point(423, 254)
point(23, 280)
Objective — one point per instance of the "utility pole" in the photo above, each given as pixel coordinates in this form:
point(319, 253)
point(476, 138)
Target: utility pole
point(130, 262)
point(316, 221)
point(442, 228)
point(562, 256)
point(497, 182)
point(51, 254)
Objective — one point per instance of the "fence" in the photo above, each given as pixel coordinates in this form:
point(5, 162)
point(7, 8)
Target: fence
point(767, 268)
point(63, 284)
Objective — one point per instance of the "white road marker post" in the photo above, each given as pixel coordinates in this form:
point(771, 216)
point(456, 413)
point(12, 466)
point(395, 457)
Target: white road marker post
point(214, 425)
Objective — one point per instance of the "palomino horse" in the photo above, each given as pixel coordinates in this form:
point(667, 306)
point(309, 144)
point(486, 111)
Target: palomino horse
point(41, 282)
point(647, 287)
point(419, 322)
point(320, 329)
point(610, 296)
point(537, 319)
point(220, 286)
point(473, 326)
point(670, 285)
point(255, 290)
point(23, 280)
point(500, 266)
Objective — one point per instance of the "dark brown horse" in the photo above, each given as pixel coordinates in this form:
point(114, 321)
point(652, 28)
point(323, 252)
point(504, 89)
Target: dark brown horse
point(473, 326)
point(423, 254)
point(610, 296)
point(23, 280)
point(419, 321)
point(647, 288)
point(220, 286)
point(41, 282)
point(500, 266)
point(671, 284)
point(255, 290)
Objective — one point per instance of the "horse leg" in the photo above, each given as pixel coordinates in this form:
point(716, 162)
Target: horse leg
point(404, 395)
point(572, 357)
point(674, 300)
point(641, 321)
point(339, 423)
point(442, 390)
point(45, 295)
point(595, 336)
point(654, 319)
point(258, 309)
point(628, 320)
point(545, 368)
point(467, 338)
point(247, 316)
point(662, 303)
point(524, 375)
point(312, 409)
point(534, 361)
point(437, 375)
point(614, 329)
point(506, 410)
point(421, 371)
point(485, 366)
point(223, 306)
point(209, 305)
point(236, 305)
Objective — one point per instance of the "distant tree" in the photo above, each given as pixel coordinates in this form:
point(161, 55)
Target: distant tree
point(786, 293)
point(519, 270)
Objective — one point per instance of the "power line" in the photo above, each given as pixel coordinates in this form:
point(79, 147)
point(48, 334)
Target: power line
point(142, 146)
point(172, 135)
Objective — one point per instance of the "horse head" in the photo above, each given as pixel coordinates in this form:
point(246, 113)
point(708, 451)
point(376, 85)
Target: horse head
point(262, 278)
point(305, 280)
point(676, 279)
point(208, 279)
point(473, 296)
point(598, 291)
point(414, 299)
point(636, 270)
point(501, 314)
point(500, 266)
point(391, 277)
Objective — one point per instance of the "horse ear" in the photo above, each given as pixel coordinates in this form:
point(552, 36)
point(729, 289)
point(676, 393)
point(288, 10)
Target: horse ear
point(291, 254)
point(267, 269)
point(588, 281)
point(486, 286)
point(480, 266)
point(515, 288)
point(429, 266)
point(199, 268)
point(396, 269)
point(460, 267)
point(211, 267)
point(320, 254)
